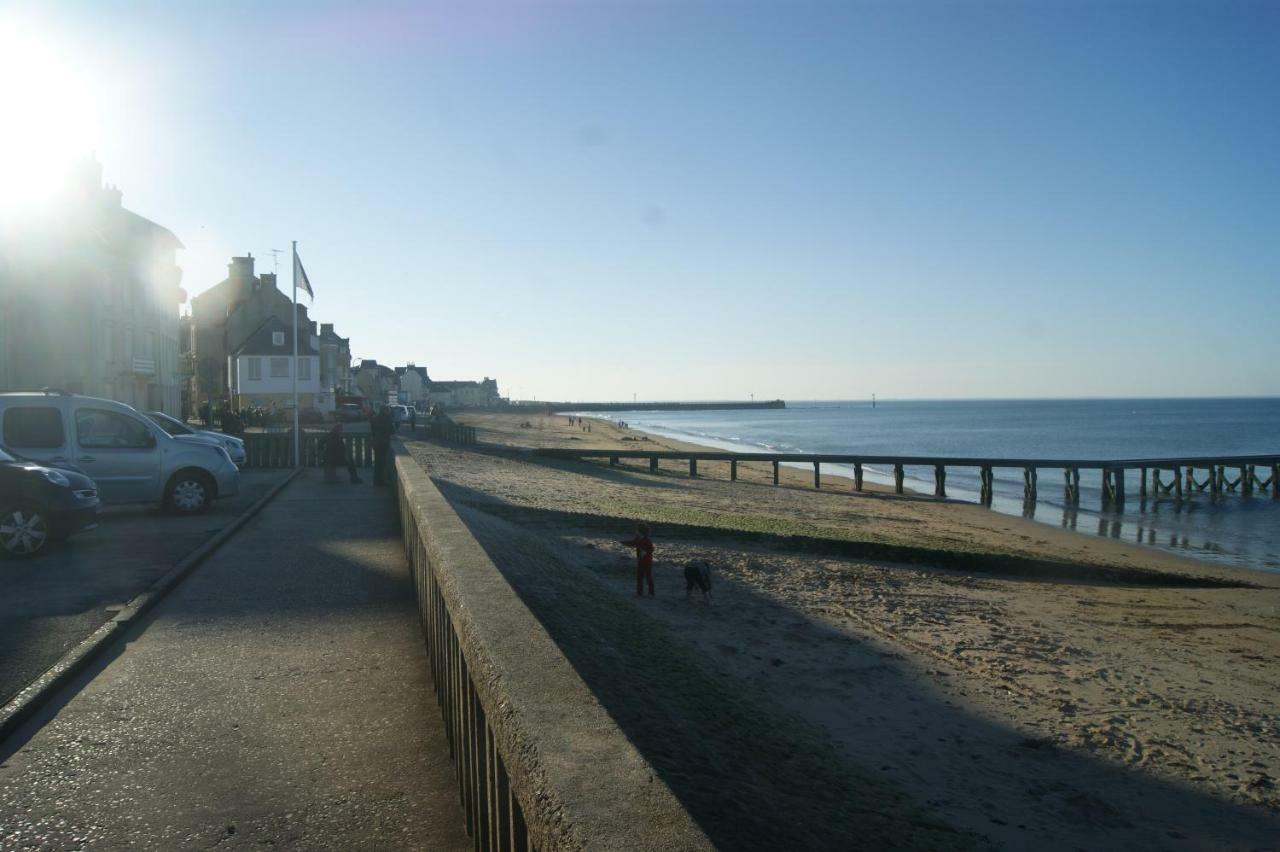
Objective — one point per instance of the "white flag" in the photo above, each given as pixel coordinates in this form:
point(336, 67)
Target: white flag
point(300, 276)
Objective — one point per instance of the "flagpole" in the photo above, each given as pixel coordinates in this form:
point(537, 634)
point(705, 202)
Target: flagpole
point(296, 436)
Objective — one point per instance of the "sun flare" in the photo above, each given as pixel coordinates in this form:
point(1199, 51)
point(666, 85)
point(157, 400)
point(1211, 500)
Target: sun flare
point(49, 118)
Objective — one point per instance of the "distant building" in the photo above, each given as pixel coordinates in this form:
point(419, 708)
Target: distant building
point(413, 382)
point(90, 300)
point(335, 362)
point(226, 314)
point(464, 394)
point(261, 370)
point(373, 381)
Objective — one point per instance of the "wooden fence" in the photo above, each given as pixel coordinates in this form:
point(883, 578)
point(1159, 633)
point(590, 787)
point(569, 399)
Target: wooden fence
point(276, 449)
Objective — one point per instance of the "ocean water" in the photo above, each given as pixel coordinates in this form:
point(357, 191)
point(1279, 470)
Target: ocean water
point(1236, 530)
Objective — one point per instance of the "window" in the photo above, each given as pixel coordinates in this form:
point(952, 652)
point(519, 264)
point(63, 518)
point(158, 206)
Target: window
point(100, 429)
point(255, 368)
point(277, 338)
point(34, 428)
point(304, 369)
point(279, 368)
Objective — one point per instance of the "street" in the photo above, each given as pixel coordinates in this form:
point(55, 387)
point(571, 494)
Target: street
point(52, 602)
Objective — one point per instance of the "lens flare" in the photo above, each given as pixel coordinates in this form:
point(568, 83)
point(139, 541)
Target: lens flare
point(49, 119)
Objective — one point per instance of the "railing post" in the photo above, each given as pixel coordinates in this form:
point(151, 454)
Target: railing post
point(693, 467)
point(733, 470)
point(939, 480)
point(857, 476)
point(1177, 482)
point(775, 471)
point(1029, 484)
point(898, 476)
point(817, 482)
point(1246, 479)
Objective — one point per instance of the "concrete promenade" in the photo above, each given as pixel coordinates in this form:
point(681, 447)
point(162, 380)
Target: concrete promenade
point(279, 697)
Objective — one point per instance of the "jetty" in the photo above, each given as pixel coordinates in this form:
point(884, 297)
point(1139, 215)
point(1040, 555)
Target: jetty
point(1176, 477)
point(659, 406)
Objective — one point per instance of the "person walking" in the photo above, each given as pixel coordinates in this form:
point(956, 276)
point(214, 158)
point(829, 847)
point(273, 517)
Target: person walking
point(335, 454)
point(383, 428)
point(413, 419)
point(644, 558)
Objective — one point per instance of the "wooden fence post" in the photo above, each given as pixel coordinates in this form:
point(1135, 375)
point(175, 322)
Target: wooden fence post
point(1029, 483)
point(1117, 482)
point(733, 470)
point(693, 467)
point(775, 471)
point(817, 481)
point(939, 480)
point(1177, 482)
point(857, 476)
point(898, 476)
point(653, 463)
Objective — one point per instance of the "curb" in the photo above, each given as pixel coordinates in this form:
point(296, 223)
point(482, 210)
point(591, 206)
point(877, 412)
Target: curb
point(28, 700)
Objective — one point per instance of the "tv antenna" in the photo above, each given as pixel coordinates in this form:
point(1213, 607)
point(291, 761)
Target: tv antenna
point(275, 254)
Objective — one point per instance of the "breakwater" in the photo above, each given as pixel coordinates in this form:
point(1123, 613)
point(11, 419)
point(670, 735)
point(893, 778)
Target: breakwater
point(663, 406)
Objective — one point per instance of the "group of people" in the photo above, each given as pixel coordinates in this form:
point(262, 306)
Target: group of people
point(697, 572)
point(336, 453)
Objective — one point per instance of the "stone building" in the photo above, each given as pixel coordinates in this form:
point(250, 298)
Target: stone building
point(470, 394)
point(90, 298)
point(226, 314)
point(335, 361)
point(261, 370)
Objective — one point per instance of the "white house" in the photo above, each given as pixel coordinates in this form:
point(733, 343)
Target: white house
point(261, 370)
point(413, 381)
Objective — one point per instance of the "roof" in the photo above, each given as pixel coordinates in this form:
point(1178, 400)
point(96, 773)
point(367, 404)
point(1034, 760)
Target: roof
point(443, 386)
point(421, 371)
point(260, 342)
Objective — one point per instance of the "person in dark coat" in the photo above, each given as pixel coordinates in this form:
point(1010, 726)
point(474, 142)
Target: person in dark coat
point(383, 428)
point(644, 557)
point(335, 454)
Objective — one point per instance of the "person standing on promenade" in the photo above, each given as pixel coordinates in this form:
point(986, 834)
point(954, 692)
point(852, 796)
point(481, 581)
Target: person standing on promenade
point(335, 454)
point(383, 428)
point(644, 558)
point(413, 419)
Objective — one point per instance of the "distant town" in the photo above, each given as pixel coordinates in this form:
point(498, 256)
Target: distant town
point(96, 306)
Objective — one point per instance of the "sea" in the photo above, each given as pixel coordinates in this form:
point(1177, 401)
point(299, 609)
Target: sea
point(1238, 530)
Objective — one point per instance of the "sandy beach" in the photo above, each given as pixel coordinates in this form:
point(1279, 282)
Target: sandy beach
point(1050, 689)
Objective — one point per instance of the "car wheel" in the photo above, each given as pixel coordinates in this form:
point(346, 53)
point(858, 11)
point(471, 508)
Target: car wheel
point(24, 531)
point(189, 493)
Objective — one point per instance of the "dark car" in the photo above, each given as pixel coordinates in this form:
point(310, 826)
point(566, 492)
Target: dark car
point(39, 505)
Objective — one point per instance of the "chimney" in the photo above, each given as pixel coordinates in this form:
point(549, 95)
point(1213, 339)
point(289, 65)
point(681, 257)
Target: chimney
point(268, 280)
point(240, 268)
point(326, 328)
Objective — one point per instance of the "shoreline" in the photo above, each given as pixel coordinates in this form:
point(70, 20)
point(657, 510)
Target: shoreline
point(1111, 528)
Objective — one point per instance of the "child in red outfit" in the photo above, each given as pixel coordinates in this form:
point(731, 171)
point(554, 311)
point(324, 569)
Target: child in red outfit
point(644, 557)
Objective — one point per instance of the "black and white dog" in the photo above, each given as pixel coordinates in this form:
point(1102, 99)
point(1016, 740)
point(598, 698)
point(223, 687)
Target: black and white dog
point(698, 573)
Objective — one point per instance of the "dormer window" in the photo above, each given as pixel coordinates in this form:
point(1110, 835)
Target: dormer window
point(277, 338)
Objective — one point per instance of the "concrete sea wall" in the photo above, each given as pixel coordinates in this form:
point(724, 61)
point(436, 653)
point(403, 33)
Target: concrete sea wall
point(540, 763)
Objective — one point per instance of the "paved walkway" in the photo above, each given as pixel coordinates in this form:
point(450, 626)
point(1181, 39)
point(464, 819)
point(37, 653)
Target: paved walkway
point(279, 697)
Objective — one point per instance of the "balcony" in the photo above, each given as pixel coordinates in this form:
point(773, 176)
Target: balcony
point(141, 366)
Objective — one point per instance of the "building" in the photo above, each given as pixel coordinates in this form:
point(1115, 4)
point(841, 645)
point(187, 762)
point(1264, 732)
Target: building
point(373, 381)
point(90, 299)
point(335, 362)
point(464, 394)
point(413, 382)
point(261, 370)
point(226, 314)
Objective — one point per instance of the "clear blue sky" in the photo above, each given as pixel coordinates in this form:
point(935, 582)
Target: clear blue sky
point(710, 200)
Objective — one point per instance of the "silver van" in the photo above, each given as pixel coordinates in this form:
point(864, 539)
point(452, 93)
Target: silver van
point(131, 459)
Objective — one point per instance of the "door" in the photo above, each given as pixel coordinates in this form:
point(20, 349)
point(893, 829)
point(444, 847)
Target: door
point(119, 452)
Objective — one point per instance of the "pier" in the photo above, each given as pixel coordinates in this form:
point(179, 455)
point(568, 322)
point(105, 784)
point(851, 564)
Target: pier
point(1178, 478)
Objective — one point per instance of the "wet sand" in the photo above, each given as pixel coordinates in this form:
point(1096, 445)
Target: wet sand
point(1049, 690)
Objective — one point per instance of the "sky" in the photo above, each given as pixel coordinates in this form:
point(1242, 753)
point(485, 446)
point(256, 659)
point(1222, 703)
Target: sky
point(710, 200)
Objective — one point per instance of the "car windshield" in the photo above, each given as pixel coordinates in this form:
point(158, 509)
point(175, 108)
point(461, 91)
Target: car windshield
point(168, 424)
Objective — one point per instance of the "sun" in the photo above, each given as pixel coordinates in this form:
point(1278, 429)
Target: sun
point(48, 118)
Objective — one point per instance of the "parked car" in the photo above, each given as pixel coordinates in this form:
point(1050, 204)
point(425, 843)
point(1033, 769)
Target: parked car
point(177, 429)
point(131, 459)
point(40, 505)
point(399, 414)
point(349, 412)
